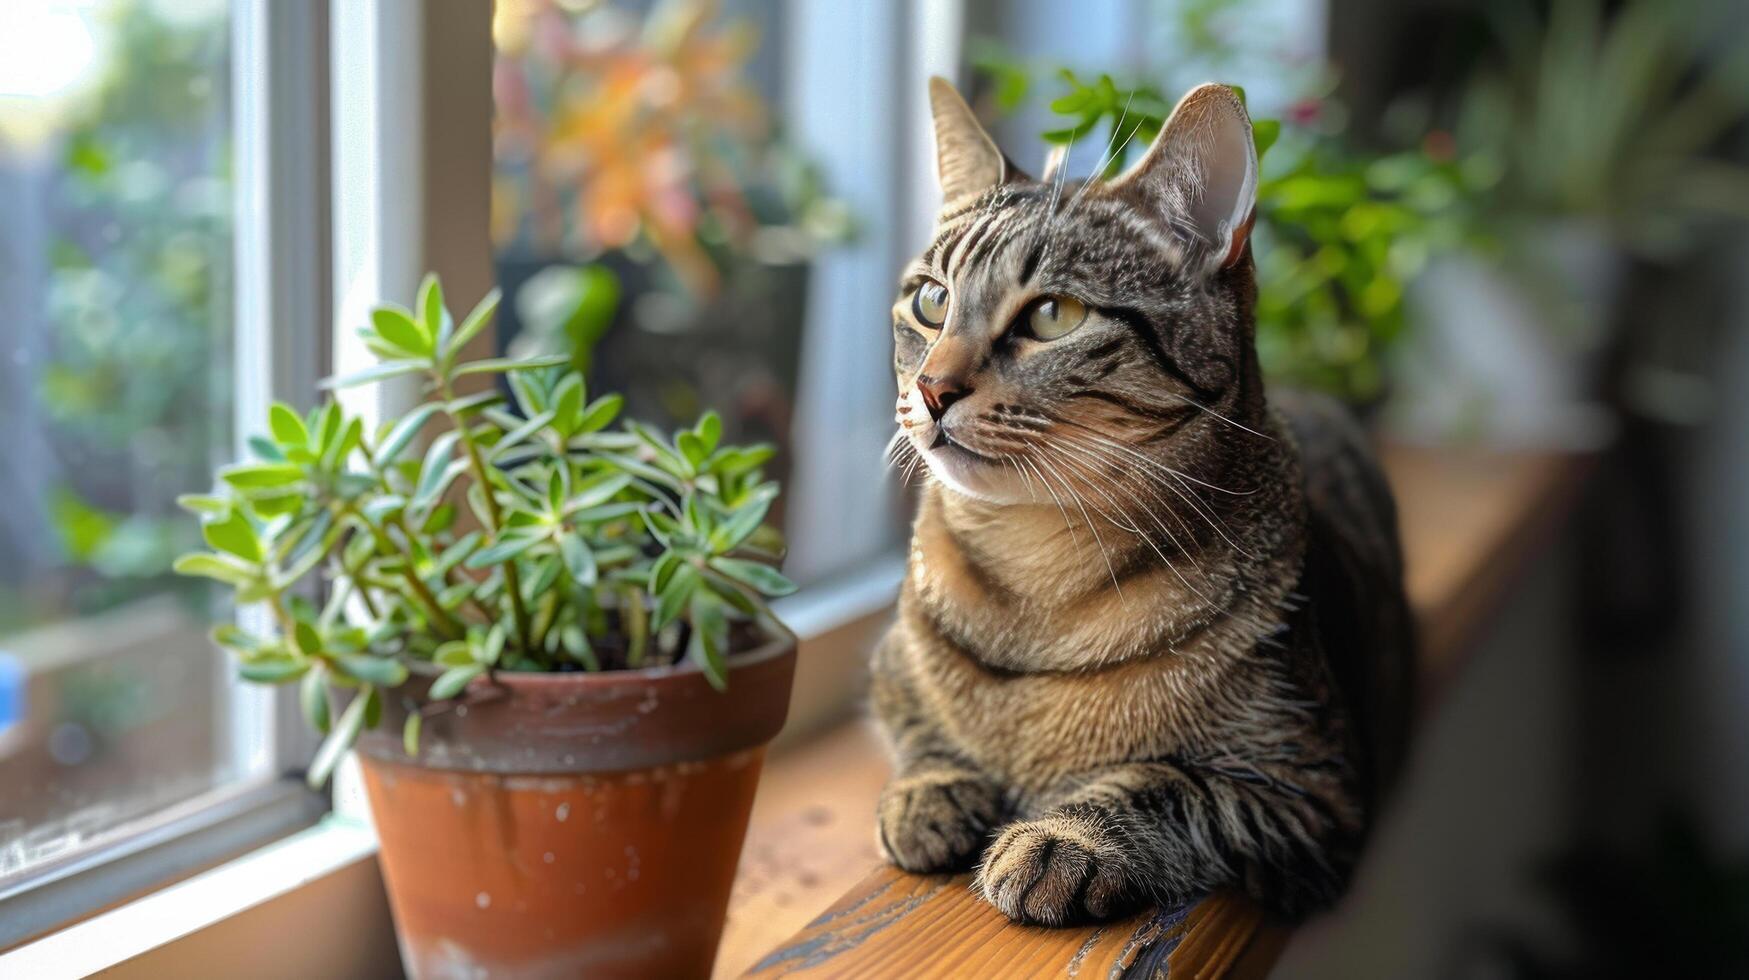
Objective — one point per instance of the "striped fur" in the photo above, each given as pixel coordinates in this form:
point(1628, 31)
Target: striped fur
point(1152, 637)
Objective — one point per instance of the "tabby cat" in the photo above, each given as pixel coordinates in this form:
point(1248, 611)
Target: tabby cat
point(1152, 639)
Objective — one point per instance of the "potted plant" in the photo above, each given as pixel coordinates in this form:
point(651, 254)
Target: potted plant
point(548, 638)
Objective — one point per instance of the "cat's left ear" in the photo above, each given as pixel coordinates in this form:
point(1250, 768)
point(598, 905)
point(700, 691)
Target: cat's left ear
point(1202, 173)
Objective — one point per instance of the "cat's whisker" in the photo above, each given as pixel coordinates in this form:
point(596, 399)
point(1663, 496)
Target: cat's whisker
point(1168, 562)
point(1199, 507)
point(1149, 481)
point(1203, 508)
point(1091, 529)
point(1232, 613)
point(1067, 524)
point(1147, 460)
point(1162, 505)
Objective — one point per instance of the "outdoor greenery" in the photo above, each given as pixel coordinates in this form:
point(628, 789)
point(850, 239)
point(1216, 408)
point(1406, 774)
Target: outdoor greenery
point(526, 536)
point(131, 393)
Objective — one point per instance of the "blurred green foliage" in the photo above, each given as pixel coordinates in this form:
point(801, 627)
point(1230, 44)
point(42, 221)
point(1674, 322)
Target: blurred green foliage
point(135, 382)
point(1612, 119)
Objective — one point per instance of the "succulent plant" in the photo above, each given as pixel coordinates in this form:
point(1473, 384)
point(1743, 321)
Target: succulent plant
point(526, 534)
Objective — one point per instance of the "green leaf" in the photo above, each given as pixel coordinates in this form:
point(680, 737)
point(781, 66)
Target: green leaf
point(198, 503)
point(596, 490)
point(451, 682)
point(455, 653)
point(217, 567)
point(579, 560)
point(1264, 133)
point(337, 449)
point(234, 535)
point(501, 364)
point(432, 473)
point(710, 634)
point(730, 462)
point(763, 578)
point(313, 699)
point(740, 525)
point(521, 433)
point(530, 396)
point(306, 639)
point(249, 476)
point(431, 309)
point(410, 732)
point(399, 330)
point(380, 509)
point(494, 645)
point(662, 570)
point(345, 732)
point(567, 404)
point(469, 404)
point(373, 707)
point(598, 414)
point(692, 447)
point(288, 430)
point(236, 640)
point(673, 599)
point(547, 569)
point(272, 669)
point(508, 546)
point(403, 432)
point(379, 372)
point(709, 430)
point(380, 671)
point(476, 321)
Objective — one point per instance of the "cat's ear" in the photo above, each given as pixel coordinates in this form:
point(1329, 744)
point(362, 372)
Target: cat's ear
point(966, 158)
point(1202, 173)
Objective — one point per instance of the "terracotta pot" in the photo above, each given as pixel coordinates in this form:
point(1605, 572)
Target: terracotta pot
point(574, 824)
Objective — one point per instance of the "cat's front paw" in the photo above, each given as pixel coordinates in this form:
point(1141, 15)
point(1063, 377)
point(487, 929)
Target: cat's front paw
point(1058, 869)
point(937, 821)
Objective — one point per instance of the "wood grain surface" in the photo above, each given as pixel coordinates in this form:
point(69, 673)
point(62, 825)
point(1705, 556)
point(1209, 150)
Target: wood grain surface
point(1470, 522)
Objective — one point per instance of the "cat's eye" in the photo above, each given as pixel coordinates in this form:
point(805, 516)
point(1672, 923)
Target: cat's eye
point(930, 304)
point(1054, 316)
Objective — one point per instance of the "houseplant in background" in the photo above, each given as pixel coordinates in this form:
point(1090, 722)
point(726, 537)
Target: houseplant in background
point(650, 219)
point(1601, 128)
point(549, 639)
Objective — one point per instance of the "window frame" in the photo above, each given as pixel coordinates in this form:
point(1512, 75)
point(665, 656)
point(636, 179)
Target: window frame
point(279, 79)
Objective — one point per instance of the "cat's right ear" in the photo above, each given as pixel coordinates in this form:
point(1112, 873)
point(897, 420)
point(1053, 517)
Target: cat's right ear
point(966, 158)
point(1201, 175)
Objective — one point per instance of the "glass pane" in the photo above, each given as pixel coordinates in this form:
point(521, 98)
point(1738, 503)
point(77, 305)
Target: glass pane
point(115, 232)
point(653, 219)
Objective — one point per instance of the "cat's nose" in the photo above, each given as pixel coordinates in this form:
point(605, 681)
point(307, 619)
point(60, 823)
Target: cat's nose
point(939, 393)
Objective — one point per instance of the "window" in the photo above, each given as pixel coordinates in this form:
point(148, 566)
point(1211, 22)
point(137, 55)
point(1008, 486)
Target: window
point(115, 394)
point(129, 238)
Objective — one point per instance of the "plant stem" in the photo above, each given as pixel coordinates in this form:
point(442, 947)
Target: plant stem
point(449, 576)
point(450, 628)
point(370, 458)
point(512, 580)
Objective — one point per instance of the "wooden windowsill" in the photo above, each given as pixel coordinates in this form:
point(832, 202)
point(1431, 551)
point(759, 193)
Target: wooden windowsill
point(1470, 521)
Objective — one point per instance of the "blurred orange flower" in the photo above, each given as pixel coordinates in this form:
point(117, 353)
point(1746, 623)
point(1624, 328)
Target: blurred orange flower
point(641, 129)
